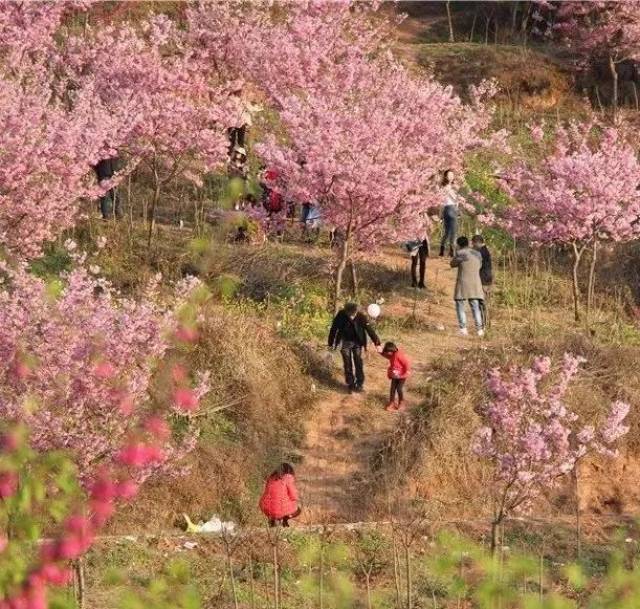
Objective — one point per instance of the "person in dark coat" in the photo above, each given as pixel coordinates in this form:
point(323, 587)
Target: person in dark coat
point(105, 169)
point(349, 329)
point(486, 273)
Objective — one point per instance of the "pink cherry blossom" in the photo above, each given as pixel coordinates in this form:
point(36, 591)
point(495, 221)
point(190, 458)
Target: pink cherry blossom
point(531, 438)
point(600, 33)
point(8, 484)
point(95, 359)
point(185, 399)
point(127, 489)
point(576, 191)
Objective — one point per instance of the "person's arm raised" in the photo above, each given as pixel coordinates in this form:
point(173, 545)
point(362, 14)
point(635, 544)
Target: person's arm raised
point(370, 331)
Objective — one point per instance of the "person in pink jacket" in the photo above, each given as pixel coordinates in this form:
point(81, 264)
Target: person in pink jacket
point(398, 372)
point(279, 501)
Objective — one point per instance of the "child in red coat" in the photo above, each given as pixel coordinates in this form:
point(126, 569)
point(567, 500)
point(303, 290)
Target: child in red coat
point(279, 501)
point(398, 372)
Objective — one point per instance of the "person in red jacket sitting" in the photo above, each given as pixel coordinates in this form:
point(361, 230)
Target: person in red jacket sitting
point(398, 372)
point(279, 501)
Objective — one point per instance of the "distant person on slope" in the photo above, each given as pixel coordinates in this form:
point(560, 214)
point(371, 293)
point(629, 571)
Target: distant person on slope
point(419, 252)
point(468, 285)
point(398, 372)
point(449, 213)
point(486, 274)
point(110, 204)
point(279, 501)
point(349, 330)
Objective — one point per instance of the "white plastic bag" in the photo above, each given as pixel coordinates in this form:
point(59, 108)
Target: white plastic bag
point(213, 525)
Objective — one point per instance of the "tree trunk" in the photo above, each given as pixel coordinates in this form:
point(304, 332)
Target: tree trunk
point(597, 89)
point(354, 279)
point(486, 30)
point(614, 91)
point(494, 536)
point(473, 25)
point(592, 278)
point(321, 578)
point(514, 21)
point(232, 580)
point(578, 518)
point(541, 580)
point(342, 263)
point(577, 257)
point(129, 207)
point(525, 24)
point(276, 576)
point(451, 37)
point(396, 572)
point(367, 578)
point(407, 558)
point(154, 204)
point(78, 570)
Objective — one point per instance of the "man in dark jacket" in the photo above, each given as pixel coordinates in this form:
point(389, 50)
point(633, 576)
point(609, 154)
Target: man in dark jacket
point(349, 330)
point(486, 273)
point(109, 202)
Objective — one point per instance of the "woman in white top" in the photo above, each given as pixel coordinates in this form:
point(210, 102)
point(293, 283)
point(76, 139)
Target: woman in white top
point(449, 212)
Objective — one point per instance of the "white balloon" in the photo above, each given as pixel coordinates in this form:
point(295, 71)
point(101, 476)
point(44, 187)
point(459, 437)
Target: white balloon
point(374, 310)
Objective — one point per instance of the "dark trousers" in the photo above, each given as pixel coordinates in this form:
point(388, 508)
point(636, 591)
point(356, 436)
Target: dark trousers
point(285, 520)
point(110, 204)
point(420, 257)
point(449, 229)
point(397, 388)
point(352, 358)
point(237, 136)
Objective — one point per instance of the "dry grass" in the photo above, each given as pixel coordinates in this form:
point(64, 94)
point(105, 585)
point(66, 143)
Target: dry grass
point(526, 78)
point(428, 456)
point(250, 421)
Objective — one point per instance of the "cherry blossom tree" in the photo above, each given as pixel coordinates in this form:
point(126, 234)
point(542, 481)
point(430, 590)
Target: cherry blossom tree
point(370, 159)
point(356, 141)
point(77, 363)
point(577, 191)
point(47, 156)
point(296, 46)
point(604, 30)
point(77, 358)
point(47, 149)
point(178, 113)
point(85, 357)
point(53, 133)
point(530, 436)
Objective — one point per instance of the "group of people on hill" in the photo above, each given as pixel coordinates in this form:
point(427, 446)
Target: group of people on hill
point(349, 332)
point(472, 260)
point(351, 329)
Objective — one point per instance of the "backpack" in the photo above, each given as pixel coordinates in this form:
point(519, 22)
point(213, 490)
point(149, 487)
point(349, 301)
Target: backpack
point(412, 247)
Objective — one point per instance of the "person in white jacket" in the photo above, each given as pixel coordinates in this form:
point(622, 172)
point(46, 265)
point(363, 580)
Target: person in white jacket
point(244, 120)
point(449, 213)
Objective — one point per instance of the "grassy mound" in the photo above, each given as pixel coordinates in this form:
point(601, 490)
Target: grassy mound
point(249, 422)
point(428, 456)
point(526, 77)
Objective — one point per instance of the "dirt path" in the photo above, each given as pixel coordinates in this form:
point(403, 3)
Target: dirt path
point(346, 430)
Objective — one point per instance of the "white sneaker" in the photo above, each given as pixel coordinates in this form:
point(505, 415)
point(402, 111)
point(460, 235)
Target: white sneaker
point(480, 332)
point(463, 332)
